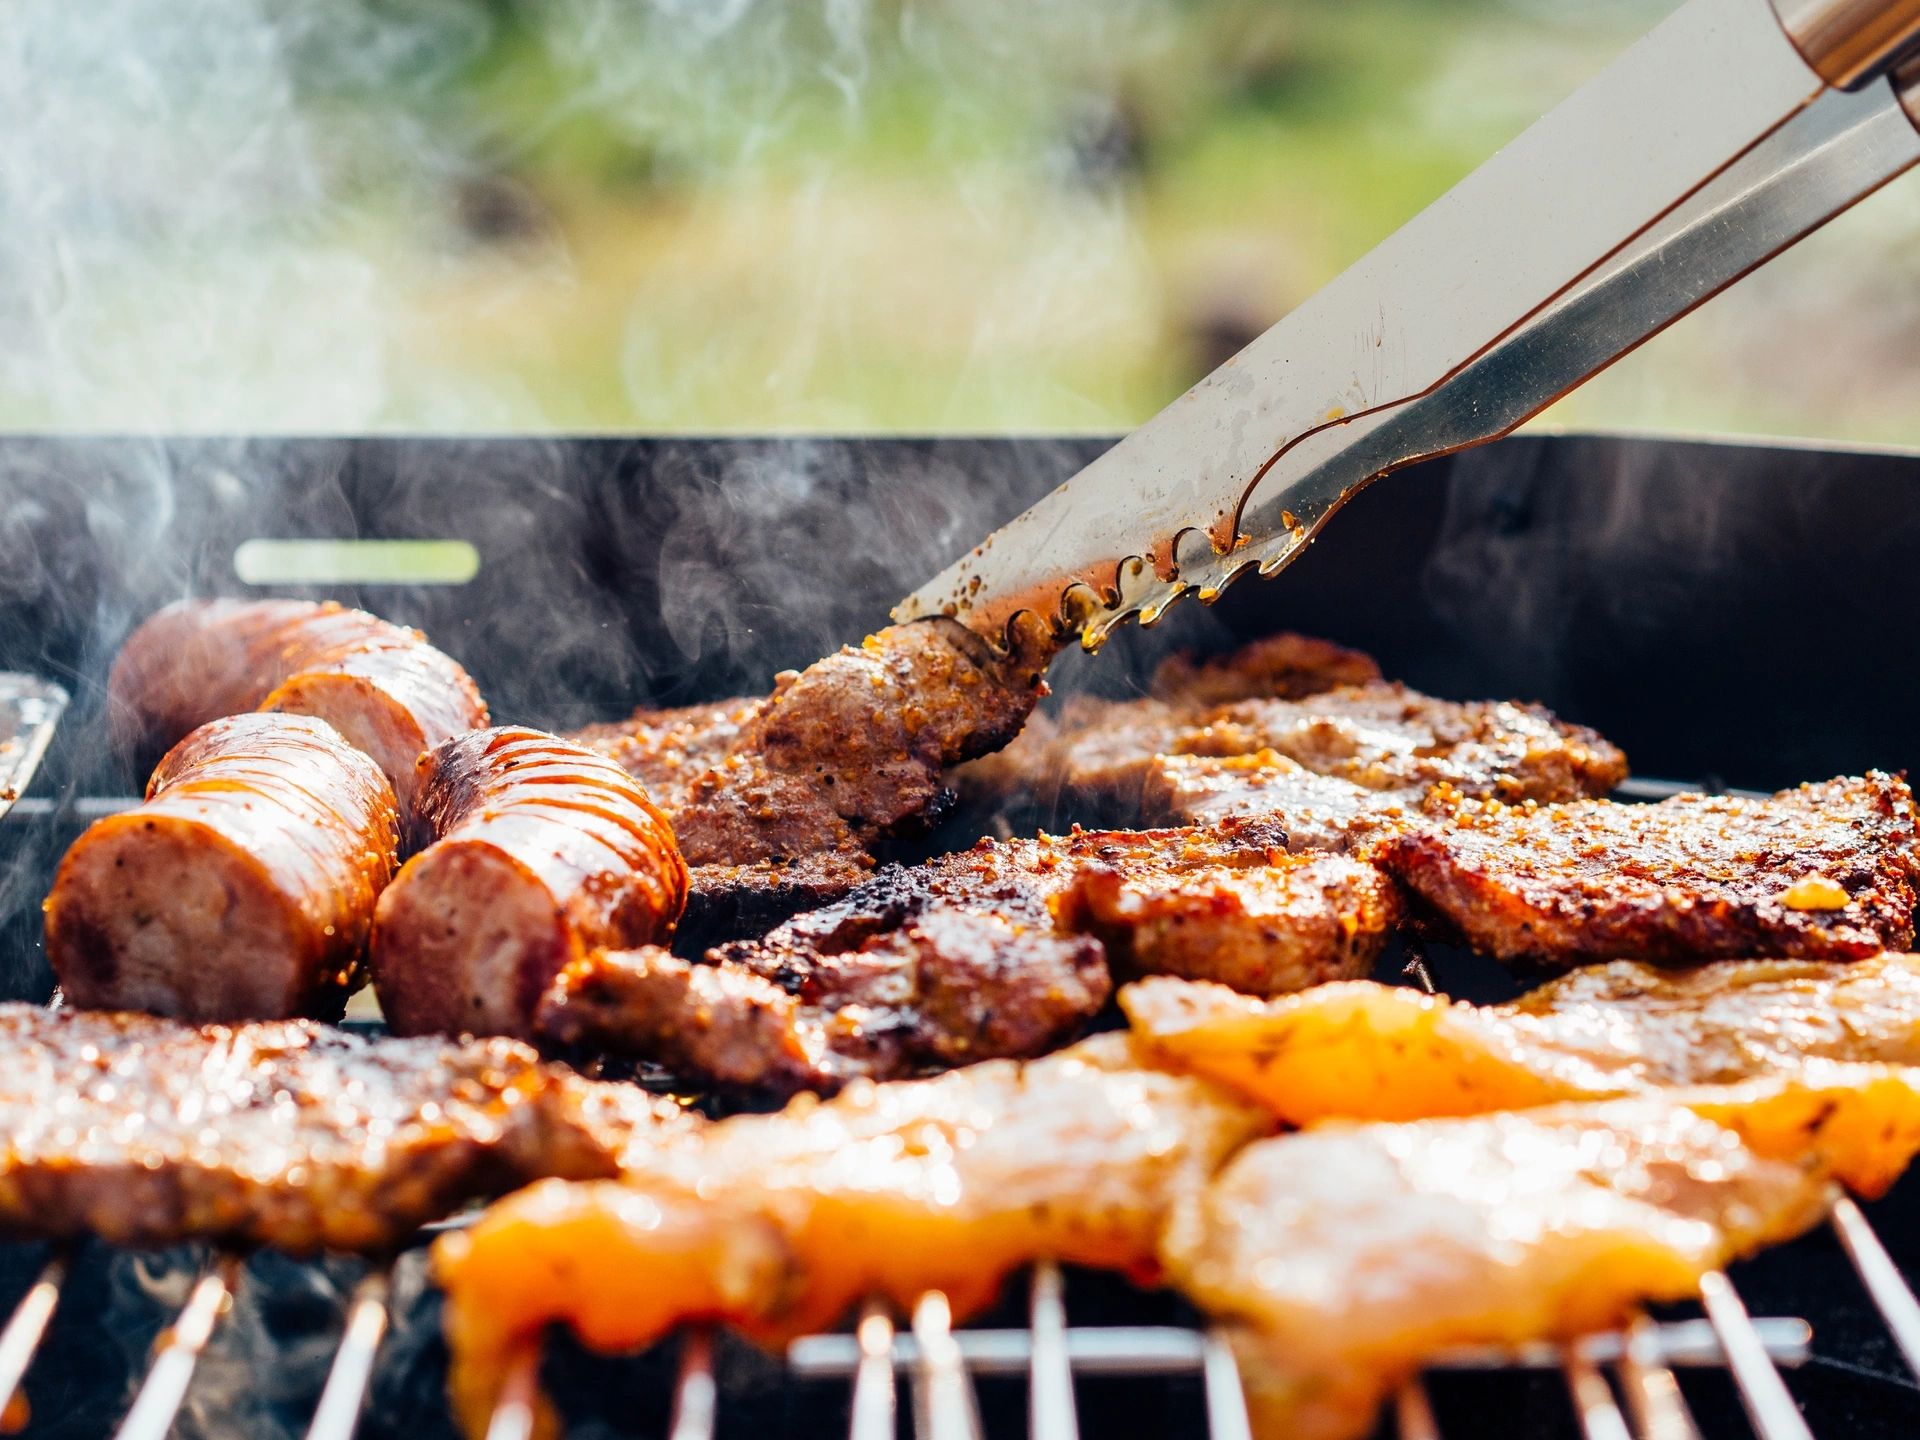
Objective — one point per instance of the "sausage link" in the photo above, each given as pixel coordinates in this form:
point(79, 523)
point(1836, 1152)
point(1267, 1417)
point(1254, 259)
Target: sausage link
point(380, 685)
point(546, 851)
point(241, 889)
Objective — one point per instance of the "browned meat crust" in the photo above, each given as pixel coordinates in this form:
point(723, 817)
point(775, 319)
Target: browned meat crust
point(147, 1132)
point(244, 886)
point(999, 950)
point(1286, 665)
point(1824, 871)
point(1265, 929)
point(382, 686)
point(546, 851)
point(838, 758)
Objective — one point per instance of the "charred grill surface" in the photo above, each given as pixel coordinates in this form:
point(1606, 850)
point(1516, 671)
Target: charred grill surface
point(147, 1132)
point(1824, 871)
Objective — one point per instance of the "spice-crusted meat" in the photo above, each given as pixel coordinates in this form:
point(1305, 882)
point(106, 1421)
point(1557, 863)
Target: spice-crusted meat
point(1000, 950)
point(839, 757)
point(286, 1133)
point(1825, 871)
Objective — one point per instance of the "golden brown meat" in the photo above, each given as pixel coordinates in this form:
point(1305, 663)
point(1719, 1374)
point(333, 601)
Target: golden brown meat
point(840, 756)
point(1344, 1257)
point(1283, 666)
point(777, 1224)
point(545, 852)
point(1824, 871)
point(382, 686)
point(1364, 1051)
point(999, 950)
point(147, 1132)
point(243, 888)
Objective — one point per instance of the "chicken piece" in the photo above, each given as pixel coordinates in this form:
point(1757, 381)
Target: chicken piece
point(840, 757)
point(1824, 871)
point(382, 686)
point(1295, 922)
point(1344, 1257)
point(778, 1224)
point(1000, 950)
point(147, 1132)
point(544, 851)
point(241, 889)
point(1380, 1052)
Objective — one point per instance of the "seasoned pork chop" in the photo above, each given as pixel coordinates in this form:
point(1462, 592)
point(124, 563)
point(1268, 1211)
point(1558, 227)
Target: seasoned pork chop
point(778, 1224)
point(1365, 1051)
point(1000, 950)
point(1824, 871)
point(147, 1132)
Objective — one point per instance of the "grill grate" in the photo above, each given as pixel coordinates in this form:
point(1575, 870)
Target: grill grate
point(943, 1361)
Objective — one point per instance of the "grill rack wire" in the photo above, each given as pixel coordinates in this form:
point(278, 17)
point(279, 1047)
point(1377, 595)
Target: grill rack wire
point(1643, 1402)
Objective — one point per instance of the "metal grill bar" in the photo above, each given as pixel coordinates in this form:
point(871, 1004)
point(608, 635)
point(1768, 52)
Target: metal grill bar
point(1050, 1388)
point(1413, 1412)
point(1653, 1395)
point(346, 1389)
point(1888, 1288)
point(1762, 1391)
point(27, 1326)
point(178, 1352)
point(1226, 1397)
point(873, 1398)
point(513, 1412)
point(943, 1405)
point(696, 1398)
point(1593, 1402)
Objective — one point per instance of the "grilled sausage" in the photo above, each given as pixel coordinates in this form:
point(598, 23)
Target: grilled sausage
point(546, 851)
point(380, 685)
point(242, 889)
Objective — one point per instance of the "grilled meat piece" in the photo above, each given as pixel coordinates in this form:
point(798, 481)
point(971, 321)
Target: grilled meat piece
point(779, 1223)
point(1364, 1051)
point(146, 1132)
point(1380, 737)
point(1284, 666)
point(546, 851)
point(382, 686)
point(243, 887)
point(1000, 950)
point(1267, 929)
point(840, 757)
point(946, 989)
point(1319, 812)
point(1344, 1257)
point(1824, 871)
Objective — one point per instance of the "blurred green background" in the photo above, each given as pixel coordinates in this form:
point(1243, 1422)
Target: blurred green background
point(775, 215)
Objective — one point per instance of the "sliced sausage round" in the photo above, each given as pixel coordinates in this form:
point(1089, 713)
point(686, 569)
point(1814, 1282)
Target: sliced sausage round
point(242, 888)
point(545, 851)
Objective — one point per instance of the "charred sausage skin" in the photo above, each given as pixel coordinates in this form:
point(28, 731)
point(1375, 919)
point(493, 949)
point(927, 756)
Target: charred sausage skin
point(380, 685)
point(241, 889)
point(545, 851)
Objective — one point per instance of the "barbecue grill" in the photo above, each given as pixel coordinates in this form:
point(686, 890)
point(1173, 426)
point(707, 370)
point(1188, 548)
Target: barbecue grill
point(1730, 612)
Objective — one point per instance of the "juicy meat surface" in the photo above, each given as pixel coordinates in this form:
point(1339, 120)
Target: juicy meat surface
point(999, 950)
point(841, 756)
point(1284, 666)
point(778, 1224)
point(1342, 1258)
point(543, 851)
point(1825, 871)
point(1364, 1051)
point(147, 1132)
point(242, 888)
point(382, 686)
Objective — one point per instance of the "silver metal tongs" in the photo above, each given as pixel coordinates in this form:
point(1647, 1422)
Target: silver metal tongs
point(1732, 130)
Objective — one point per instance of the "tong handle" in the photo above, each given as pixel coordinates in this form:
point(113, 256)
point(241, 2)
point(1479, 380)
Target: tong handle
point(1849, 42)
